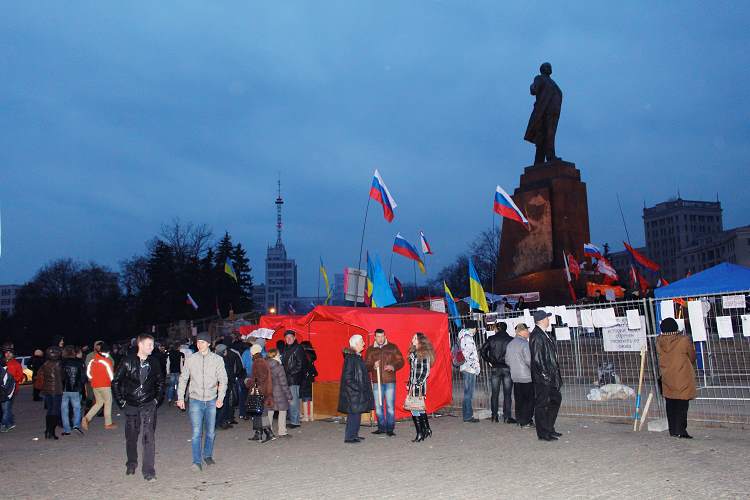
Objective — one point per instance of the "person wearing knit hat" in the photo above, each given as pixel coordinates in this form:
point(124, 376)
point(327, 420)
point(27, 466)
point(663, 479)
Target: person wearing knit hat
point(261, 379)
point(676, 357)
point(281, 393)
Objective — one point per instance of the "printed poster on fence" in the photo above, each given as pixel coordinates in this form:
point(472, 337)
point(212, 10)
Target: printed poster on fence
point(620, 338)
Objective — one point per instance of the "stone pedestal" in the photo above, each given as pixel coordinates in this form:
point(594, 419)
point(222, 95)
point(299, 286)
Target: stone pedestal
point(553, 198)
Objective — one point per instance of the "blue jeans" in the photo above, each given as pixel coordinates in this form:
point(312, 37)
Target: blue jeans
point(172, 380)
point(203, 418)
point(470, 381)
point(386, 422)
point(294, 405)
point(74, 399)
point(8, 419)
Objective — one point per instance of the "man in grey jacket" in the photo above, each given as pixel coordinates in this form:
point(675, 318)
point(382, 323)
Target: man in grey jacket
point(208, 386)
point(518, 359)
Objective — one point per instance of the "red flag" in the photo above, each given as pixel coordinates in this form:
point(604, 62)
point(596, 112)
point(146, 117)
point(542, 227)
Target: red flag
point(568, 277)
point(573, 266)
point(643, 282)
point(641, 259)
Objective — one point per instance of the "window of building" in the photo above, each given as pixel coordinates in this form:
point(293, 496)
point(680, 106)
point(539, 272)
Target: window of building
point(6, 291)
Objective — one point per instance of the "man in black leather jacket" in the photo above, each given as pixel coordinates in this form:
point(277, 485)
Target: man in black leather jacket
point(545, 374)
point(73, 382)
point(493, 352)
point(138, 387)
point(294, 360)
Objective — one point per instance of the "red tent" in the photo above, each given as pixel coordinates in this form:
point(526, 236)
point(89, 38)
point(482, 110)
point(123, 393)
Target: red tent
point(328, 328)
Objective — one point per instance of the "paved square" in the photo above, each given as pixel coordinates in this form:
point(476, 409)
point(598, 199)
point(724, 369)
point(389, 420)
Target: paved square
point(594, 459)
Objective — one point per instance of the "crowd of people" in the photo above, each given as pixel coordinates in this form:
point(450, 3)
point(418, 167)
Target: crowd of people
point(211, 380)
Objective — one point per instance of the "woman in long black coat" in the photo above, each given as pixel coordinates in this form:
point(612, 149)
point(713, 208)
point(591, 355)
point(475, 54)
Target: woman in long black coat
point(355, 393)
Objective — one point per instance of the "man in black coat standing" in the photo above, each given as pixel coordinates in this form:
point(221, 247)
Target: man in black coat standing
point(294, 360)
point(138, 387)
point(355, 391)
point(493, 353)
point(545, 374)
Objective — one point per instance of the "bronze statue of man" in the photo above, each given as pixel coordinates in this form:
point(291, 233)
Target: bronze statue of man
point(543, 121)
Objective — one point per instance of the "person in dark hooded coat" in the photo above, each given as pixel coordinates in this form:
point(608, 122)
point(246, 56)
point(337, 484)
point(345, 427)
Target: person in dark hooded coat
point(355, 393)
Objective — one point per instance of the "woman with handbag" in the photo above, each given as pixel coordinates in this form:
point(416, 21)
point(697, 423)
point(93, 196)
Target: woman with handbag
point(260, 396)
point(421, 357)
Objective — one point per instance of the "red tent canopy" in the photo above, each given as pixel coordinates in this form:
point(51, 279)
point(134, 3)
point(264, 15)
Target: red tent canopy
point(328, 328)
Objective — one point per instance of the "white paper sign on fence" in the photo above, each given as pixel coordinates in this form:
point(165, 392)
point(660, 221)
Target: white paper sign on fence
point(562, 312)
point(550, 310)
point(571, 317)
point(562, 333)
point(745, 325)
point(724, 327)
point(621, 338)
point(733, 302)
point(634, 319)
point(667, 309)
point(697, 325)
point(604, 318)
point(587, 319)
point(680, 324)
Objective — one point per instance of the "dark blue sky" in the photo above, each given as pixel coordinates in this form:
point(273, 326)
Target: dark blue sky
point(118, 116)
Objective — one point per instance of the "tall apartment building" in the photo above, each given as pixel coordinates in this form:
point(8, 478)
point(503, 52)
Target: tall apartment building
point(8, 299)
point(672, 226)
point(281, 271)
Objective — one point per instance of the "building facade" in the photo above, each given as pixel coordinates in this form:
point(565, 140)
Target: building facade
point(280, 288)
point(672, 226)
point(8, 299)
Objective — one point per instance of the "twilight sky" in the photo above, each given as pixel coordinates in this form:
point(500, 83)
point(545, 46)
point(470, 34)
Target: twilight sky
point(118, 116)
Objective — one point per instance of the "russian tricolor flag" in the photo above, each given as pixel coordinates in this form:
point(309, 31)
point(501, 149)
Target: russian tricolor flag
point(591, 250)
point(379, 192)
point(426, 249)
point(403, 247)
point(505, 207)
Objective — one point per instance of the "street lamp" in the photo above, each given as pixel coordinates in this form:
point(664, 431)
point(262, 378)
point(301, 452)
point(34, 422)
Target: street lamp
point(272, 310)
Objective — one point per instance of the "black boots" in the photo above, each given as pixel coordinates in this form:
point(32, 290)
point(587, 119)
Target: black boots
point(267, 435)
point(426, 431)
point(418, 426)
point(51, 423)
point(422, 424)
point(256, 436)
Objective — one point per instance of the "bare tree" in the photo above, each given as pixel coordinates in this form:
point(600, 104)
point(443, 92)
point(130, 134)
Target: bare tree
point(134, 274)
point(187, 240)
point(484, 250)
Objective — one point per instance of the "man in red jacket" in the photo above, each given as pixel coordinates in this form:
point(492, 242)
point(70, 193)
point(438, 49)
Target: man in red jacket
point(15, 370)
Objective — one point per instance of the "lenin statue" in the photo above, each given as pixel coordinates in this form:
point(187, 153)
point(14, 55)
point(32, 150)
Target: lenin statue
point(543, 121)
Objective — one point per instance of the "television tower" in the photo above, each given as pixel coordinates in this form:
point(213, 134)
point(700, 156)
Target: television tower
point(279, 203)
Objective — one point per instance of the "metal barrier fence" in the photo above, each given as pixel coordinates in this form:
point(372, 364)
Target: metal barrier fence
point(592, 355)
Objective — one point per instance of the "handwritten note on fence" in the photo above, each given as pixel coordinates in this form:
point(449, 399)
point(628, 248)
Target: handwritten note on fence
point(620, 338)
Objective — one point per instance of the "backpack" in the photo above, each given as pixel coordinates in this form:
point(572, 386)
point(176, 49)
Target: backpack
point(457, 355)
point(7, 385)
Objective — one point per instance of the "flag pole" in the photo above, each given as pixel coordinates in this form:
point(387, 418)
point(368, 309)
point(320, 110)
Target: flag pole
point(361, 245)
point(321, 263)
point(414, 268)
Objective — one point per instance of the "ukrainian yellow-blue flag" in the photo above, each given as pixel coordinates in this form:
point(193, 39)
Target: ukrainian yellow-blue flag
point(325, 279)
point(381, 294)
point(451, 303)
point(229, 269)
point(477, 299)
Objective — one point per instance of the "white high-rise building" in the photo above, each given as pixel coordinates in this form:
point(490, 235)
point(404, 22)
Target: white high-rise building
point(281, 272)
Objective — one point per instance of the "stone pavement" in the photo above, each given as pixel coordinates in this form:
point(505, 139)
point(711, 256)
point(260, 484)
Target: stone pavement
point(594, 459)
